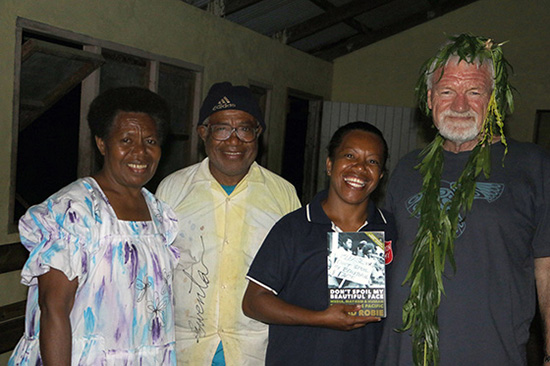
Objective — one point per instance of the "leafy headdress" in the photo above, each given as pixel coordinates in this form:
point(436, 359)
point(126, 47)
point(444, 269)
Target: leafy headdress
point(434, 242)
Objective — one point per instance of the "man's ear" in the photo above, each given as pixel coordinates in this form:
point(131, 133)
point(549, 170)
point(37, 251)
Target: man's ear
point(202, 130)
point(100, 145)
point(329, 166)
point(430, 99)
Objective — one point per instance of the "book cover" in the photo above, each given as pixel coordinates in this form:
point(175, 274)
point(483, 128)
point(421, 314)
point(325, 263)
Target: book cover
point(356, 271)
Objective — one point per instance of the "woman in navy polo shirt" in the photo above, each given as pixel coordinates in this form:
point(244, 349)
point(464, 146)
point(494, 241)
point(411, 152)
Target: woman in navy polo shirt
point(288, 277)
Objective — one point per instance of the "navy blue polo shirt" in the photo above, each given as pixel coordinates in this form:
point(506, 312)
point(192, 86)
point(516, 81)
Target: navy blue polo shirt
point(292, 263)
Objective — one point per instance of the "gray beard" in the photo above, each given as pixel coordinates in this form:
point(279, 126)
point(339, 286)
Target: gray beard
point(458, 134)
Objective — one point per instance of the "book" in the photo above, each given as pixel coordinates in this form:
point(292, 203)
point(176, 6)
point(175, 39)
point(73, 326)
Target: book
point(356, 271)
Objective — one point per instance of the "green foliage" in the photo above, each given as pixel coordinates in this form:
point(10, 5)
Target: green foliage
point(434, 242)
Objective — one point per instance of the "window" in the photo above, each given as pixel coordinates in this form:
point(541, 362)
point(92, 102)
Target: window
point(58, 74)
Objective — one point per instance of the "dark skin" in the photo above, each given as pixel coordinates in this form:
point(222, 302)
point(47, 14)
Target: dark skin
point(132, 153)
point(230, 160)
point(355, 171)
point(263, 305)
point(55, 298)
point(344, 219)
point(357, 160)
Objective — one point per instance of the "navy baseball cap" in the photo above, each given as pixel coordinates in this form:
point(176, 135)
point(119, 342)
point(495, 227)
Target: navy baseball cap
point(224, 96)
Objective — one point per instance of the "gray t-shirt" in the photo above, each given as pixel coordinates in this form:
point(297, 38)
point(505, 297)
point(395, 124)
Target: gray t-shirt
point(490, 301)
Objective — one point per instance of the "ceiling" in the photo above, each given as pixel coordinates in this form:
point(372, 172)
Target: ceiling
point(329, 28)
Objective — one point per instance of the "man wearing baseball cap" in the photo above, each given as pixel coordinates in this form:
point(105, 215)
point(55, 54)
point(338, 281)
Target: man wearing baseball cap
point(225, 205)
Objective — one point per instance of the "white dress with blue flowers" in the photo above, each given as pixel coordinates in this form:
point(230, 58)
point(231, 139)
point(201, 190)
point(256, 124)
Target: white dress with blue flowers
point(123, 310)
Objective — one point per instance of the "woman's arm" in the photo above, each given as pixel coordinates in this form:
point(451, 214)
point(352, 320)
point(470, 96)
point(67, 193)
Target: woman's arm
point(261, 304)
point(542, 276)
point(56, 298)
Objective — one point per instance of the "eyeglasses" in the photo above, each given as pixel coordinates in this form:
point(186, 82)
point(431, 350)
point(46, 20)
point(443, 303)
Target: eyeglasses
point(223, 132)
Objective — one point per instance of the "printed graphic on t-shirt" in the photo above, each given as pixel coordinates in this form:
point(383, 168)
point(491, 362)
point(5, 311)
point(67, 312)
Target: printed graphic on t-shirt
point(489, 192)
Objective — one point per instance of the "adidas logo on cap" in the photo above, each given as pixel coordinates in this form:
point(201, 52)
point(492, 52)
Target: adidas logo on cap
point(224, 103)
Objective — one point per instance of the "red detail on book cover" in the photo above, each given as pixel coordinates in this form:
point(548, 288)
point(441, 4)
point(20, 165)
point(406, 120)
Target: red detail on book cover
point(388, 252)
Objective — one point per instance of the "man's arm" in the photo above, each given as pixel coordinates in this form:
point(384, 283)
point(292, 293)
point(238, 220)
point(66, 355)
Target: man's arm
point(262, 305)
point(542, 276)
point(56, 299)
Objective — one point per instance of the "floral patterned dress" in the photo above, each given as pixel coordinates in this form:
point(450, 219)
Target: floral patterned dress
point(123, 310)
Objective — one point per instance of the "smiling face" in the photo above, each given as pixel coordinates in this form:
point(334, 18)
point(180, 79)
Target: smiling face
point(131, 151)
point(459, 103)
point(229, 160)
point(356, 168)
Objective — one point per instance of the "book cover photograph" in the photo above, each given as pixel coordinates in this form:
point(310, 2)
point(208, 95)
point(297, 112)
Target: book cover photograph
point(356, 271)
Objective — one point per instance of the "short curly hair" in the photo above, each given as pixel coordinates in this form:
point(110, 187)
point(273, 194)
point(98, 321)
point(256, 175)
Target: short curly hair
point(106, 106)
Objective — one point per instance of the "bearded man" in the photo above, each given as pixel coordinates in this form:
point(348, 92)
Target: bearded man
point(473, 217)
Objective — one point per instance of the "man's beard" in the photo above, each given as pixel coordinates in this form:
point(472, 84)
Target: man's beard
point(461, 131)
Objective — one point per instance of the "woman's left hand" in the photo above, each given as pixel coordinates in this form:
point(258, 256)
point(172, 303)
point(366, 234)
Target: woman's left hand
point(338, 317)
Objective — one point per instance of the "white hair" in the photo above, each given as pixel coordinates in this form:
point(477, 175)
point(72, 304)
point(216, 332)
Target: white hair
point(455, 58)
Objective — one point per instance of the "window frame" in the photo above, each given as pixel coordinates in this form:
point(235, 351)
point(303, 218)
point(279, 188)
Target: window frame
point(265, 105)
point(89, 90)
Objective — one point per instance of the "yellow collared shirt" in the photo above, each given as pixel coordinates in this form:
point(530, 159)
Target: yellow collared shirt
point(219, 236)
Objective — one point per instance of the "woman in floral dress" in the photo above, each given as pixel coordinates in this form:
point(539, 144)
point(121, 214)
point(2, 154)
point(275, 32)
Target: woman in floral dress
point(101, 261)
